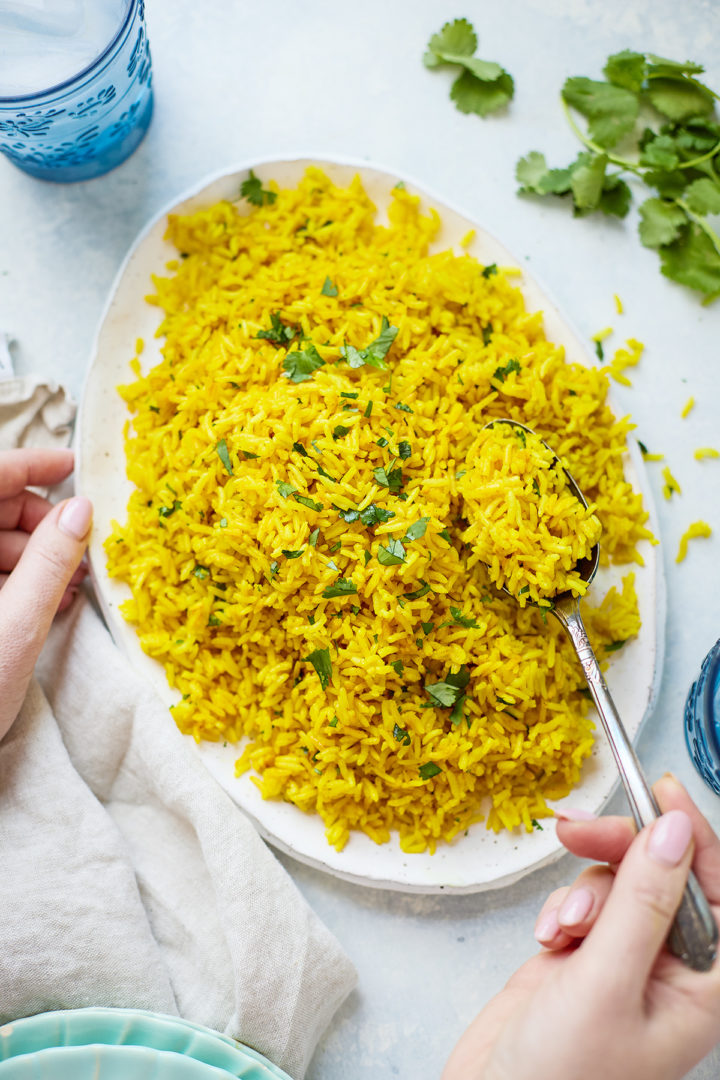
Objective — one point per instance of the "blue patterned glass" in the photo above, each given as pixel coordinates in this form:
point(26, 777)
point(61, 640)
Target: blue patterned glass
point(88, 124)
point(702, 720)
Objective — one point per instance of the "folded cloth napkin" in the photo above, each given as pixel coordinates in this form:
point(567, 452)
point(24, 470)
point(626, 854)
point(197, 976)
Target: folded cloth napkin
point(34, 412)
point(129, 878)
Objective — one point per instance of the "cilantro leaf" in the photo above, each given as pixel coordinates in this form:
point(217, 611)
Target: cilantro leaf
point(280, 333)
point(285, 489)
point(533, 175)
point(252, 190)
point(501, 373)
point(320, 660)
point(305, 501)
point(300, 449)
point(615, 197)
point(375, 515)
point(586, 180)
point(389, 477)
point(168, 511)
point(482, 85)
point(693, 260)
point(428, 770)
point(342, 587)
point(611, 111)
point(703, 196)
point(658, 151)
point(313, 538)
point(417, 531)
point(301, 364)
point(401, 735)
point(457, 38)
point(339, 431)
point(292, 554)
point(444, 694)
point(328, 288)
point(463, 620)
point(222, 452)
point(404, 450)
point(660, 222)
point(626, 69)
point(392, 555)
point(373, 354)
point(679, 98)
point(416, 594)
point(615, 645)
point(474, 95)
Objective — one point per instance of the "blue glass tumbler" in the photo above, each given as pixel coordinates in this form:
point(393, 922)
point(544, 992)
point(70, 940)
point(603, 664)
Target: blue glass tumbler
point(702, 720)
point(89, 122)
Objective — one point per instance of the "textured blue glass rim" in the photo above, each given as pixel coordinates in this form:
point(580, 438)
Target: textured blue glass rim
point(38, 95)
point(710, 721)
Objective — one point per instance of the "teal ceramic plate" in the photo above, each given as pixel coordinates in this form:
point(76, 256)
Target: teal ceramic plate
point(98, 1062)
point(131, 1028)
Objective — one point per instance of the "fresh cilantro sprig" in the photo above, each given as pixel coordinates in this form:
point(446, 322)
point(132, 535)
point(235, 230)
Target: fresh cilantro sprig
point(678, 158)
point(482, 85)
point(252, 190)
point(373, 354)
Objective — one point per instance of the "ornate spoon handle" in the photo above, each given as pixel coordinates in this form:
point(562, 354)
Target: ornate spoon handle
point(694, 933)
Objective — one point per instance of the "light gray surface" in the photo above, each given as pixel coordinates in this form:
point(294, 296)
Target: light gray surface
point(238, 80)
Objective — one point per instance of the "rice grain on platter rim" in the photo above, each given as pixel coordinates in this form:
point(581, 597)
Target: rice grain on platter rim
point(528, 731)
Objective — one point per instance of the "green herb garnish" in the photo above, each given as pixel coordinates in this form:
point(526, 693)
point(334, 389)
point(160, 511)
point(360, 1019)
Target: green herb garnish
point(401, 735)
point(301, 363)
point(305, 501)
point(389, 477)
point(416, 594)
point(404, 449)
point(342, 587)
point(501, 373)
point(615, 645)
point(417, 531)
point(428, 770)
point(328, 288)
point(392, 555)
point(677, 156)
point(285, 489)
point(252, 190)
point(222, 452)
point(280, 333)
point(482, 85)
point(373, 354)
point(168, 511)
point(292, 554)
point(320, 660)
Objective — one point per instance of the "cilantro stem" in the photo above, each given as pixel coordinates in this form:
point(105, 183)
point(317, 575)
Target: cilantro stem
point(701, 222)
point(595, 147)
point(700, 160)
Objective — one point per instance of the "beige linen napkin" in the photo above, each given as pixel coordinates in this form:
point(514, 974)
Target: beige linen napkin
point(128, 877)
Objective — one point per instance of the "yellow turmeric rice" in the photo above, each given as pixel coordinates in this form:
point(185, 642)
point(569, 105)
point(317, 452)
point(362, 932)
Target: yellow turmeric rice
point(294, 541)
point(526, 523)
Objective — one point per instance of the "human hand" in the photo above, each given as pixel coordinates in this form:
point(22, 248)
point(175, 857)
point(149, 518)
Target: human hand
point(605, 998)
point(40, 551)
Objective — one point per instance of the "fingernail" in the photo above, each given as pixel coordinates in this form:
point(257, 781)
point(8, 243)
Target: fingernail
point(670, 837)
point(576, 907)
point(547, 927)
point(569, 814)
point(76, 517)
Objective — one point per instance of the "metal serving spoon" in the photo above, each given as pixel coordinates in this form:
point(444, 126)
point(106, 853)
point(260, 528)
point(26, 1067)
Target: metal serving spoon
point(694, 933)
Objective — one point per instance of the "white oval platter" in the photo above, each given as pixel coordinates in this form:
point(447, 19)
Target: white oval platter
point(478, 860)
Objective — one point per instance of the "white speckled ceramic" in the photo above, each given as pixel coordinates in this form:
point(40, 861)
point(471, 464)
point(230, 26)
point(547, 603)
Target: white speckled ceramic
point(478, 860)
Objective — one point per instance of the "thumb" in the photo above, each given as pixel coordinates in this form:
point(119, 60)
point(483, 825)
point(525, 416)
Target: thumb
point(32, 593)
point(648, 888)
